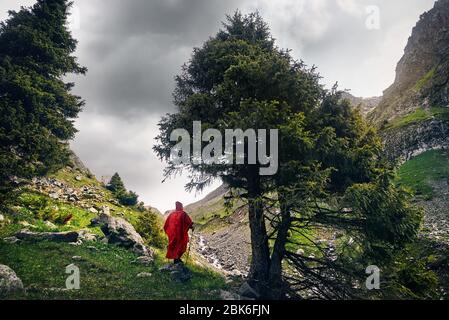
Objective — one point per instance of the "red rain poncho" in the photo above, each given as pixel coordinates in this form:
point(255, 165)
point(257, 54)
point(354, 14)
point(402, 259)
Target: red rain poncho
point(177, 228)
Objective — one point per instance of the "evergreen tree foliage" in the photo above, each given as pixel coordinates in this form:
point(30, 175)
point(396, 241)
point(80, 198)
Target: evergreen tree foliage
point(37, 107)
point(126, 198)
point(116, 184)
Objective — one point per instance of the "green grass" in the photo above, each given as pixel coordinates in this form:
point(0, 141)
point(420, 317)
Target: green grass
point(69, 177)
point(440, 113)
point(107, 273)
point(35, 209)
point(212, 211)
point(9, 230)
point(418, 172)
point(420, 115)
point(425, 80)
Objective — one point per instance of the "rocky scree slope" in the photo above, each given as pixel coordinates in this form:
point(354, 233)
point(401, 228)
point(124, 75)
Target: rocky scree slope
point(222, 236)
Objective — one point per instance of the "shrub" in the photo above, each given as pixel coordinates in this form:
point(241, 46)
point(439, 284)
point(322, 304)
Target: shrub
point(43, 208)
point(127, 198)
point(149, 226)
point(117, 187)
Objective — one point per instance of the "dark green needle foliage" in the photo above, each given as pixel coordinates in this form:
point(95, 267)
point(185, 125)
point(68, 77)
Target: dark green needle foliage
point(37, 108)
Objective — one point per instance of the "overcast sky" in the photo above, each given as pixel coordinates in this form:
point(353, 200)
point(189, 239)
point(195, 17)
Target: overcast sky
point(134, 48)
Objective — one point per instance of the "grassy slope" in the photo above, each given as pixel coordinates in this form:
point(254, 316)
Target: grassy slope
point(214, 209)
point(106, 273)
point(211, 214)
point(69, 177)
point(420, 115)
point(425, 79)
point(421, 170)
point(418, 174)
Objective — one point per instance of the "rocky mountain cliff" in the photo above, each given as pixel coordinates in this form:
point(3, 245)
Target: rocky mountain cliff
point(414, 111)
point(365, 105)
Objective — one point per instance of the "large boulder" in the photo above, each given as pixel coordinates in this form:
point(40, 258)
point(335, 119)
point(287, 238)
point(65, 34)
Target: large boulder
point(178, 272)
point(181, 273)
point(120, 232)
point(25, 235)
point(9, 282)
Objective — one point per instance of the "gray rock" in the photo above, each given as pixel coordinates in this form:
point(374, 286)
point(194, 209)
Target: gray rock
point(248, 292)
point(25, 235)
point(50, 225)
point(93, 210)
point(77, 243)
point(86, 235)
point(105, 210)
point(145, 260)
point(144, 275)
point(181, 273)
point(229, 296)
point(2, 218)
point(168, 267)
point(27, 224)
point(236, 273)
point(56, 290)
point(73, 198)
point(78, 178)
point(11, 240)
point(54, 196)
point(9, 282)
point(120, 232)
point(77, 258)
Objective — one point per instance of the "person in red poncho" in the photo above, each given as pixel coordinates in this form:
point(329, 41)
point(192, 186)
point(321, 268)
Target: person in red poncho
point(177, 228)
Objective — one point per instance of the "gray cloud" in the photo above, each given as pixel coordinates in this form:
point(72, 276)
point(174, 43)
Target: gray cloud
point(134, 49)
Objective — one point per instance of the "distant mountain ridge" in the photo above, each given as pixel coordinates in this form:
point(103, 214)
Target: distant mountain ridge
point(214, 199)
point(364, 105)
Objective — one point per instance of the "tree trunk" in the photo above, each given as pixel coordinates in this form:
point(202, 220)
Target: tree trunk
point(260, 262)
point(275, 273)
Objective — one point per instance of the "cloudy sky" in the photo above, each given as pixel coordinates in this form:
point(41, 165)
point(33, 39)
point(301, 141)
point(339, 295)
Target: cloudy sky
point(134, 48)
